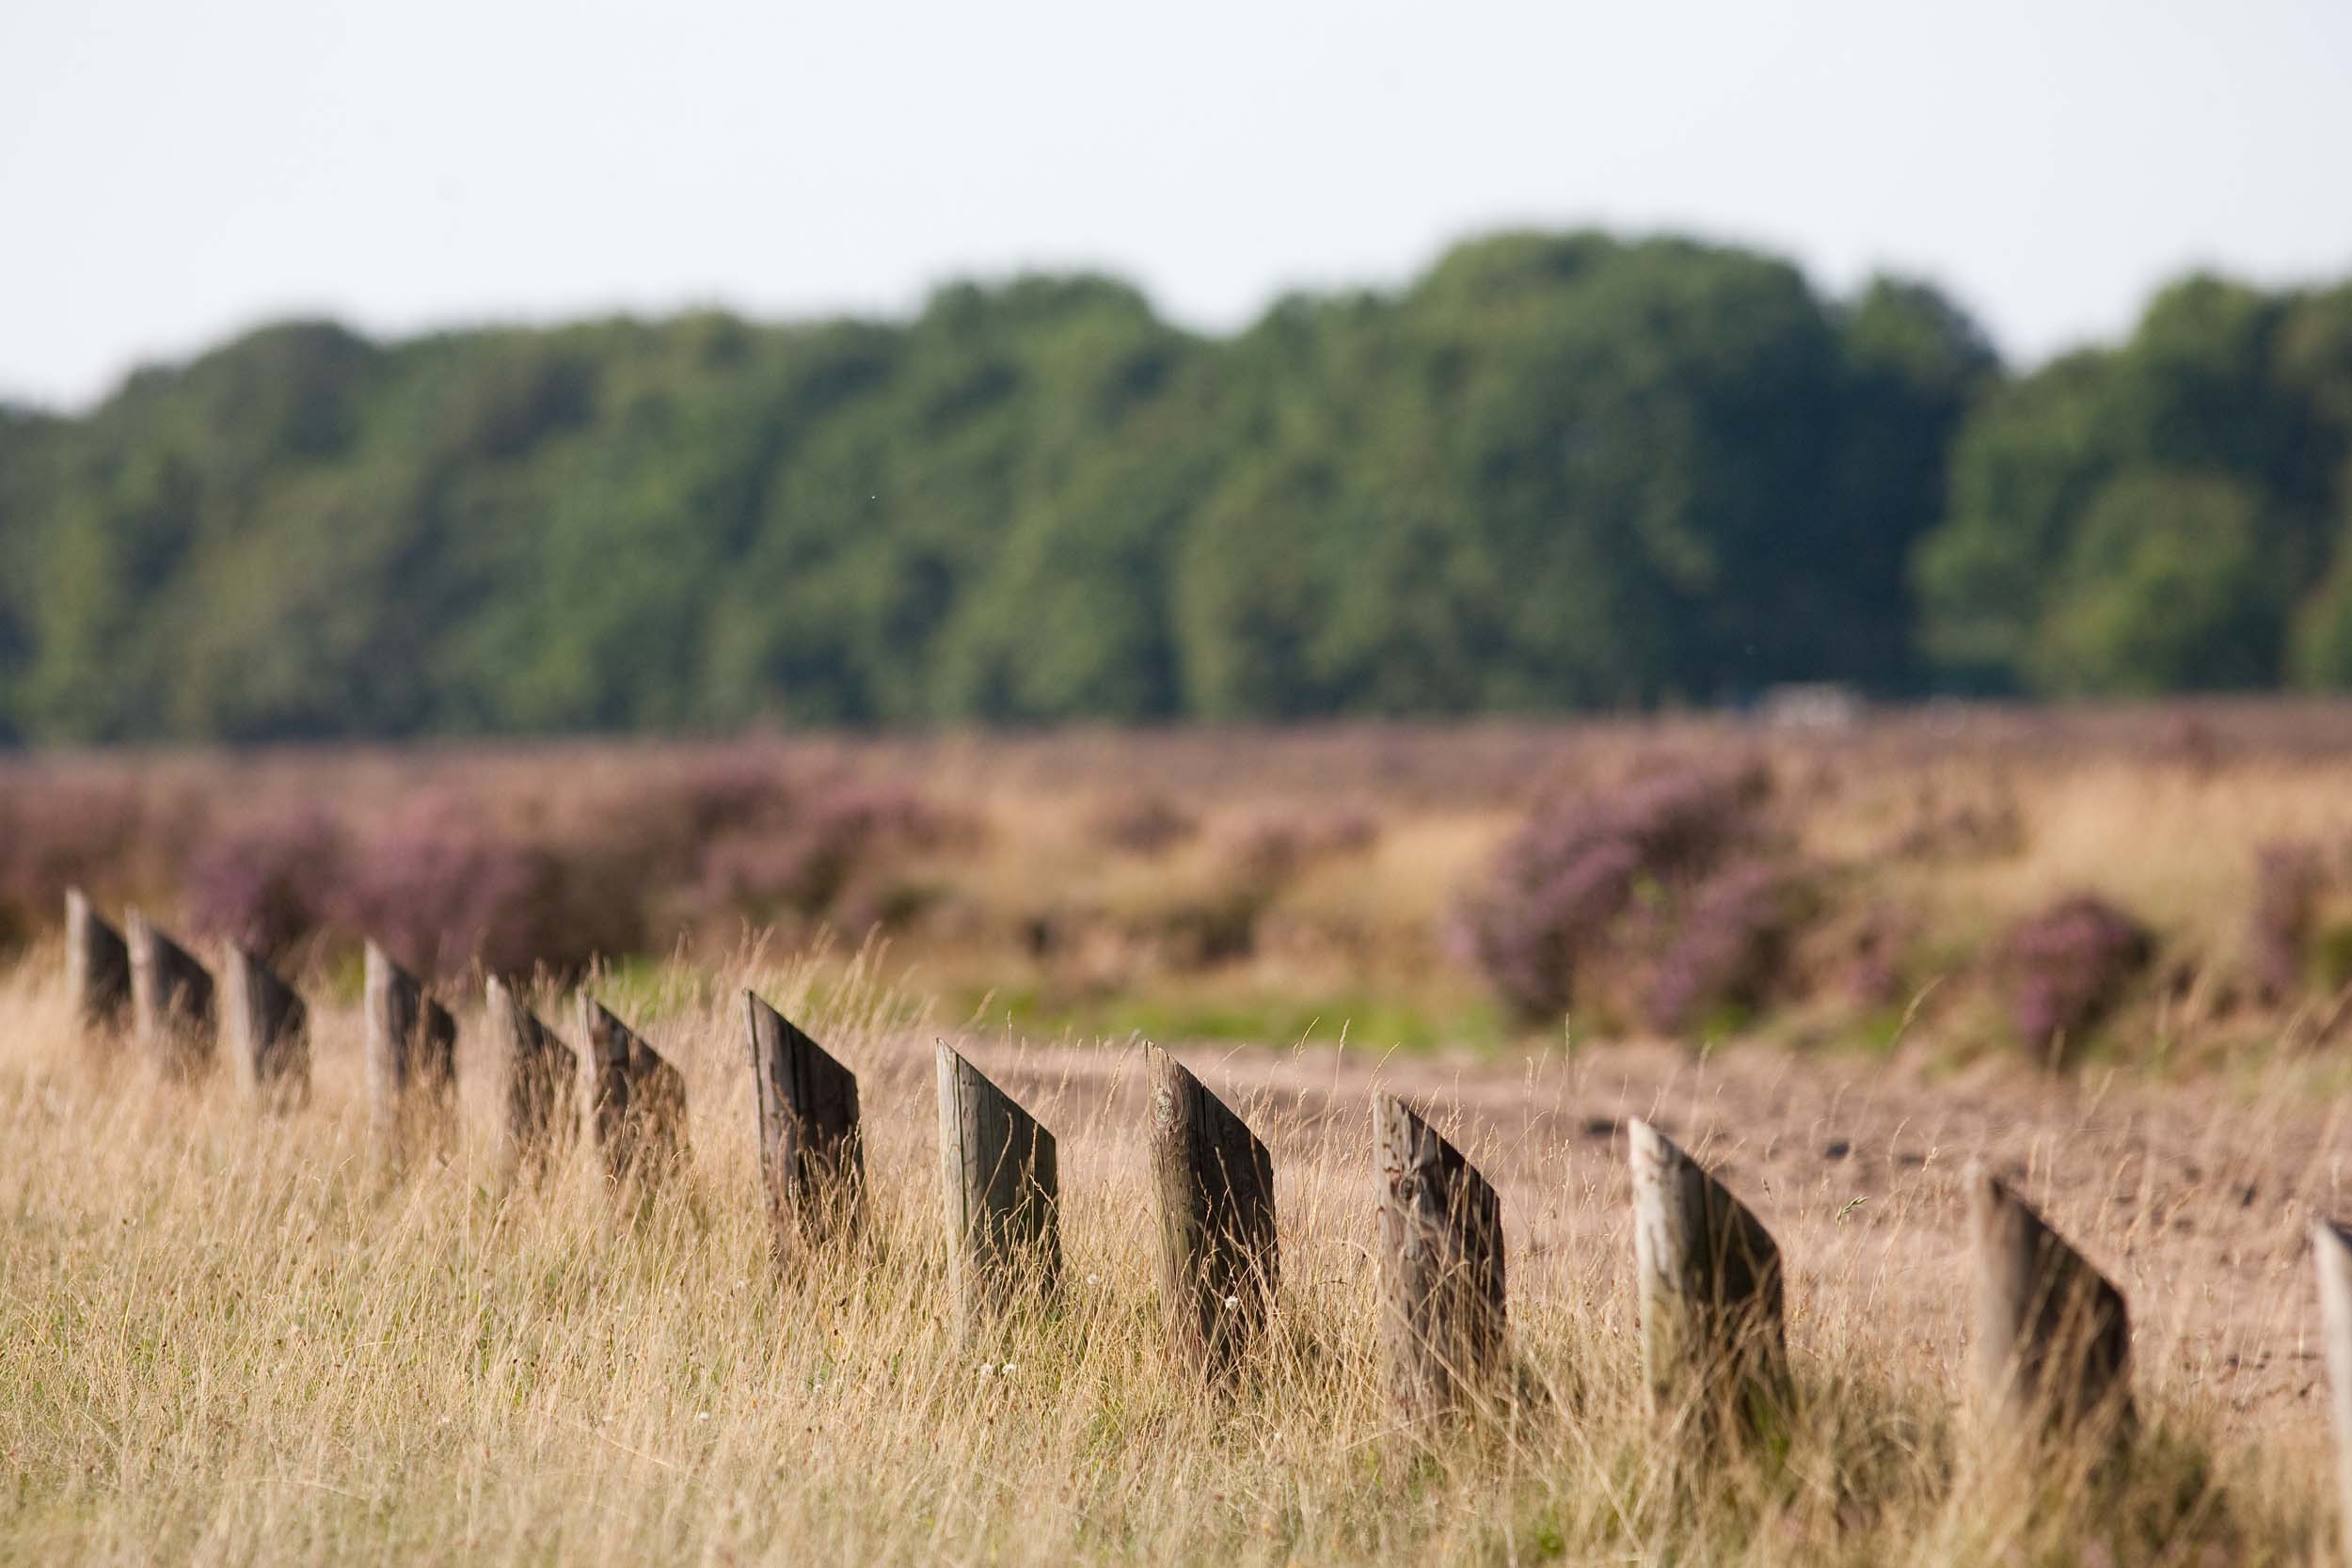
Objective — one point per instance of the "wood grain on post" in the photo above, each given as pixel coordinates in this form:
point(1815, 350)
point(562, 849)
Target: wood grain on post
point(1709, 1279)
point(97, 965)
point(2331, 1251)
point(1219, 1258)
point(173, 1009)
point(1441, 1313)
point(636, 1100)
point(542, 1079)
point(1002, 1187)
point(812, 1159)
point(268, 1028)
point(2052, 1348)
point(411, 1049)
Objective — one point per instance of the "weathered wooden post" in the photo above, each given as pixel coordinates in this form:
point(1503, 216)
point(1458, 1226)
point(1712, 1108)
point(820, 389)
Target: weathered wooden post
point(812, 1159)
point(173, 1006)
point(1002, 1187)
point(2054, 1346)
point(1219, 1261)
point(2332, 1252)
point(268, 1028)
point(1709, 1278)
point(97, 965)
point(542, 1076)
point(411, 1050)
point(636, 1100)
point(1442, 1260)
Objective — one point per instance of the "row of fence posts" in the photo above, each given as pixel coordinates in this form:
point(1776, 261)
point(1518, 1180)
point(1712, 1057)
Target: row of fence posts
point(2052, 1348)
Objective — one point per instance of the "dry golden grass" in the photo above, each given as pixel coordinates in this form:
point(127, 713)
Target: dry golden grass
point(228, 1337)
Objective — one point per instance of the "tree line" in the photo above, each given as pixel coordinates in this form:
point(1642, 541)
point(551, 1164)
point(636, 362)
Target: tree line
point(1555, 471)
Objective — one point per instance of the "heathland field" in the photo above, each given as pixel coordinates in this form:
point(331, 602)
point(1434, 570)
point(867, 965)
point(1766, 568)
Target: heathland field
point(2103, 953)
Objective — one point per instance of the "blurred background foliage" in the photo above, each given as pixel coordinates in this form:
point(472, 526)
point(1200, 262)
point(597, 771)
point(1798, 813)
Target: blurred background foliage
point(1557, 471)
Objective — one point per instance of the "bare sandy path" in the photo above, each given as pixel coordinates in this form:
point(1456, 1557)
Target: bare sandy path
point(2195, 1202)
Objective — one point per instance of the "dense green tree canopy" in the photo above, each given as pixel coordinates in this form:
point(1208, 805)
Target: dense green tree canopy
point(1555, 471)
point(2164, 515)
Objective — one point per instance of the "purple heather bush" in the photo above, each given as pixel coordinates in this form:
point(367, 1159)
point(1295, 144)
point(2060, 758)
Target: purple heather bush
point(445, 884)
point(58, 832)
point(729, 791)
point(1730, 947)
point(2190, 742)
point(653, 831)
point(1869, 968)
point(825, 857)
point(1553, 901)
point(2288, 880)
point(1144, 825)
point(267, 883)
point(2064, 968)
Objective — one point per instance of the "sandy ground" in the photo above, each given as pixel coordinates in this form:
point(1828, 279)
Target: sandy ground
point(2195, 1202)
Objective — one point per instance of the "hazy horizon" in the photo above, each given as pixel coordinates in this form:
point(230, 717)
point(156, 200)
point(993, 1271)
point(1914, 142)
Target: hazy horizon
point(188, 175)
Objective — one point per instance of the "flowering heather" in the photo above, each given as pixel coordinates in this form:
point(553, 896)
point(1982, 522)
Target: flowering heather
point(2288, 880)
point(445, 885)
point(55, 834)
point(1657, 888)
point(1561, 881)
point(1730, 947)
point(808, 861)
point(2190, 742)
point(729, 792)
point(1144, 825)
point(652, 831)
point(2064, 968)
point(267, 883)
point(1870, 971)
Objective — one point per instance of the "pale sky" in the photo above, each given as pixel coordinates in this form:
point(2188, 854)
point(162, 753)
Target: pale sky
point(172, 172)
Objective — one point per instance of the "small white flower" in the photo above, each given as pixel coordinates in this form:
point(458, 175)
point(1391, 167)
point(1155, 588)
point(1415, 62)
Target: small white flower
point(986, 1368)
point(1232, 1304)
point(702, 1415)
point(1094, 1279)
point(1008, 1369)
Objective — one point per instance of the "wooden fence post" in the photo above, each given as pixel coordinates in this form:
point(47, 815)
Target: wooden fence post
point(542, 1076)
point(1441, 1258)
point(812, 1158)
point(2332, 1252)
point(97, 965)
point(268, 1028)
point(1002, 1186)
point(411, 1050)
point(636, 1100)
point(2053, 1345)
point(1219, 1257)
point(173, 1006)
point(1709, 1278)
